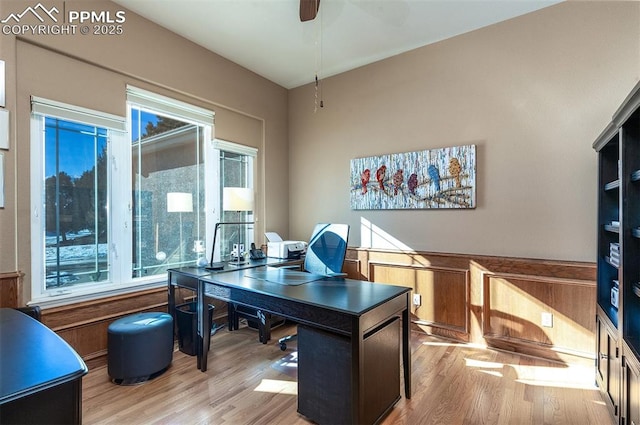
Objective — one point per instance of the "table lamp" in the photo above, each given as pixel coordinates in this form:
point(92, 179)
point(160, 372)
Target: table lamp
point(237, 199)
point(179, 202)
point(233, 199)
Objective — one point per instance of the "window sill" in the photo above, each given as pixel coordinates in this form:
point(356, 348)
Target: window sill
point(57, 300)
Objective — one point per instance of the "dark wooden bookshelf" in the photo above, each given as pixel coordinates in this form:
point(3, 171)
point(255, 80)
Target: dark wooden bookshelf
point(618, 318)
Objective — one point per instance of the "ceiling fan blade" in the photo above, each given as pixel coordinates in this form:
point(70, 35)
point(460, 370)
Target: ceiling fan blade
point(308, 9)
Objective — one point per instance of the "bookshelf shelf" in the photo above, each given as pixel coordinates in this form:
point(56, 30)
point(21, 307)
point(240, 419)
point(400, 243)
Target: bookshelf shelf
point(612, 185)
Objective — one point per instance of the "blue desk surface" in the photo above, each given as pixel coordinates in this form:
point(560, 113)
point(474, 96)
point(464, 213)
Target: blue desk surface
point(33, 357)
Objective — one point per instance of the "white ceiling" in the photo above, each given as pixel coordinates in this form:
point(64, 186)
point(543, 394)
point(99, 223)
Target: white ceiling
point(267, 37)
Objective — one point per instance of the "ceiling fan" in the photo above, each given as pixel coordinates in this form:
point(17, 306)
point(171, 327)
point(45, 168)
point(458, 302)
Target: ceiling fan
point(308, 9)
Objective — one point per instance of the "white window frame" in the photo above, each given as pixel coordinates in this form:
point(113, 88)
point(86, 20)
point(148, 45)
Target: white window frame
point(227, 146)
point(153, 103)
point(116, 136)
point(119, 202)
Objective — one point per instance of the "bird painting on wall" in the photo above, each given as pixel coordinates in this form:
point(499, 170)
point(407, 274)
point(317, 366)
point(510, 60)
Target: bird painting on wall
point(434, 174)
point(454, 169)
point(412, 183)
point(397, 181)
point(380, 174)
point(432, 178)
point(364, 178)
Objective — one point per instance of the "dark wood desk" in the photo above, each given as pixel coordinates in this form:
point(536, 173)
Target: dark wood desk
point(187, 277)
point(352, 317)
point(40, 374)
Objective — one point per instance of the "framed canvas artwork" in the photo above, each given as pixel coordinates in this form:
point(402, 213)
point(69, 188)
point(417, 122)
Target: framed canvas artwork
point(433, 178)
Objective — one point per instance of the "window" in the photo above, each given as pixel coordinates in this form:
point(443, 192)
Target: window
point(114, 209)
point(71, 185)
point(76, 224)
point(236, 170)
point(168, 176)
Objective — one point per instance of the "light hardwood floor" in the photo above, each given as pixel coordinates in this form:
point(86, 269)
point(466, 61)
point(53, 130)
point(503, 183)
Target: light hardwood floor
point(249, 383)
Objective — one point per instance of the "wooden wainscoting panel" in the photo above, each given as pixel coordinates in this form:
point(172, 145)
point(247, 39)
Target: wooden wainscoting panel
point(11, 289)
point(361, 257)
point(514, 305)
point(110, 308)
point(89, 340)
point(493, 300)
point(84, 325)
point(352, 267)
point(496, 301)
point(444, 293)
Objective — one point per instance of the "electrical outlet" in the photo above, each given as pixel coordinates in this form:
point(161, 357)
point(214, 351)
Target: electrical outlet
point(546, 319)
point(417, 299)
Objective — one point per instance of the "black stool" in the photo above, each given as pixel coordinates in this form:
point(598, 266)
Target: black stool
point(140, 347)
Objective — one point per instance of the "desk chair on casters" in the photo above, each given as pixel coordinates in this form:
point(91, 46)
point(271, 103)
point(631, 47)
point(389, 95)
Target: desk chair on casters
point(325, 256)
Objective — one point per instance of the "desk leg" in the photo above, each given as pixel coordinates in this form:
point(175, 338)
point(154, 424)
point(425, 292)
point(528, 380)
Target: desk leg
point(231, 316)
point(204, 332)
point(406, 350)
point(234, 318)
point(171, 304)
point(264, 329)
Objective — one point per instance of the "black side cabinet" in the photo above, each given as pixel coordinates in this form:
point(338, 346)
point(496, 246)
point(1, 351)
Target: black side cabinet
point(328, 391)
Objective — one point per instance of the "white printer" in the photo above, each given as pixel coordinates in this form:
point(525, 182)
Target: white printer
point(278, 248)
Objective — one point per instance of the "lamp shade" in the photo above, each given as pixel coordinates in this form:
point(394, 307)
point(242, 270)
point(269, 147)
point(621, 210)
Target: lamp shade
point(237, 199)
point(179, 202)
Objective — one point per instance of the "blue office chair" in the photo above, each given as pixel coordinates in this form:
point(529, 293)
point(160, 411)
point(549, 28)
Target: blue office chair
point(325, 256)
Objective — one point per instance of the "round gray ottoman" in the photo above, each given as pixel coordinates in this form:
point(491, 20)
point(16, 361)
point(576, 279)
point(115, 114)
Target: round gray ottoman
point(140, 347)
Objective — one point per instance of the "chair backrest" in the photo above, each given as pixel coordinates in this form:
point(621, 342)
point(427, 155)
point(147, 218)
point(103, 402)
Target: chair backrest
point(327, 249)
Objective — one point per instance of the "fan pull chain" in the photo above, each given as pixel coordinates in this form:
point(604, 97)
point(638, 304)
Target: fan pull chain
point(318, 83)
point(316, 97)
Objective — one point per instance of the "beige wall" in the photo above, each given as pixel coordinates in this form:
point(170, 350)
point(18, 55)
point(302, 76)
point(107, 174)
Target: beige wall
point(532, 93)
point(93, 71)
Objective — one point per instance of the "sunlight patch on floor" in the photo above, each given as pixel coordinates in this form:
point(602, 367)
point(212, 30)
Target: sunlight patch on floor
point(442, 344)
point(556, 384)
point(289, 361)
point(277, 387)
point(566, 376)
point(492, 373)
point(483, 364)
